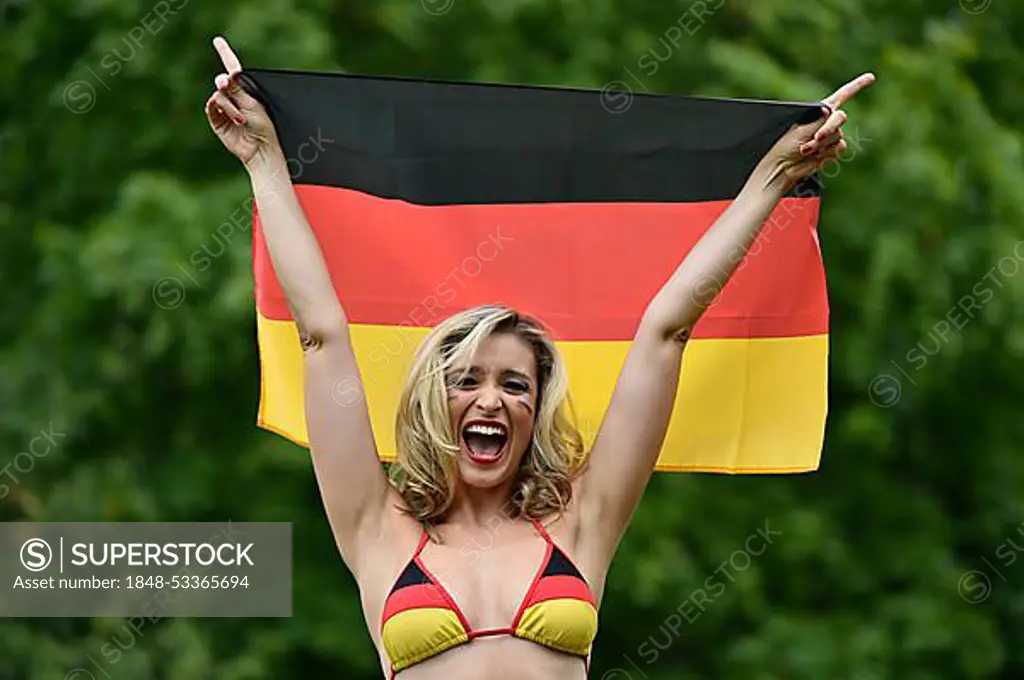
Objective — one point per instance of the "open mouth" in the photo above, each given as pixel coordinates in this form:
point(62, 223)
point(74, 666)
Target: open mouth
point(485, 441)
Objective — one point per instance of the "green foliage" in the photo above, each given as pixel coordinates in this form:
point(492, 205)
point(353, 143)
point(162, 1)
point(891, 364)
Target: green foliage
point(129, 328)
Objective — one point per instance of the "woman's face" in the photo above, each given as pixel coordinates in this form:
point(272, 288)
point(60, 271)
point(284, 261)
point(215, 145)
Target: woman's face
point(492, 408)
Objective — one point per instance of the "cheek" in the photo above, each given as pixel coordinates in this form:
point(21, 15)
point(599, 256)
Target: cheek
point(456, 407)
point(525, 414)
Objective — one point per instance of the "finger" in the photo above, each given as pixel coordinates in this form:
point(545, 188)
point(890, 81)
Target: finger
point(847, 91)
point(228, 86)
point(234, 67)
point(218, 119)
point(815, 143)
point(833, 151)
point(219, 110)
point(828, 140)
point(831, 126)
point(227, 56)
point(228, 107)
point(237, 94)
point(813, 147)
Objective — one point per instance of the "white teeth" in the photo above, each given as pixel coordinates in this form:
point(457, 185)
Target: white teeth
point(485, 429)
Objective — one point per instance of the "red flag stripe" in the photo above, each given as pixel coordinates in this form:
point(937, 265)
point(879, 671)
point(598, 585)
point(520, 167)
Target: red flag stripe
point(588, 270)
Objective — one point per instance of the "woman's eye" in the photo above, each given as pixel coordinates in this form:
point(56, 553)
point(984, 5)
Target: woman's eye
point(517, 386)
point(463, 382)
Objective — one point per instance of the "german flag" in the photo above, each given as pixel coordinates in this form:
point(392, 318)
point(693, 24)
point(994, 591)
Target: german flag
point(431, 197)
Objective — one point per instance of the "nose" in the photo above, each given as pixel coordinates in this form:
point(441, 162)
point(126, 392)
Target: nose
point(488, 399)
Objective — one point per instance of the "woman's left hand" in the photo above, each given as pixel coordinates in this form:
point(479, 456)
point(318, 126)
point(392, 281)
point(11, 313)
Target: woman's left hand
point(804, 148)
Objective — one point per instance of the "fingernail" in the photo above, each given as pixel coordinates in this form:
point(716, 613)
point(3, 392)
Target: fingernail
point(240, 120)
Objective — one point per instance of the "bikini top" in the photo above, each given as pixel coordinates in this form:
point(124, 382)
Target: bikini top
point(421, 620)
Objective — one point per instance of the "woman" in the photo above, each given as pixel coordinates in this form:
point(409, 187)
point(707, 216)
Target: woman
point(487, 555)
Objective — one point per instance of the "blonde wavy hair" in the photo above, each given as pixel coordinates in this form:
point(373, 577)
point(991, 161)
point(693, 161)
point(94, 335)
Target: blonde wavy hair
point(424, 472)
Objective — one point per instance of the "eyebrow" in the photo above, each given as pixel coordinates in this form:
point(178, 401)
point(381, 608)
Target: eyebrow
point(507, 372)
point(519, 374)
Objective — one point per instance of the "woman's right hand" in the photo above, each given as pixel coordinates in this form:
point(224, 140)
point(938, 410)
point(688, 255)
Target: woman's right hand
point(239, 121)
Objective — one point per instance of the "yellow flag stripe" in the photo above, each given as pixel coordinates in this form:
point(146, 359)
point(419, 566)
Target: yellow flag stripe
point(745, 405)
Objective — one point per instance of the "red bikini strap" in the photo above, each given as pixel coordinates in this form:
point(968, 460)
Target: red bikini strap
point(541, 530)
point(423, 542)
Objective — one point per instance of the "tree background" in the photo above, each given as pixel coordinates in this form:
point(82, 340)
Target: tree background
point(896, 560)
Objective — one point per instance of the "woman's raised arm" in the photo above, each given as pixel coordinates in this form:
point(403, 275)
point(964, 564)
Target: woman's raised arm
point(629, 441)
point(352, 483)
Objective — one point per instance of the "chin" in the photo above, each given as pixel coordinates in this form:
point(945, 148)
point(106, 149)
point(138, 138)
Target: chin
point(484, 477)
point(489, 473)
point(479, 479)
